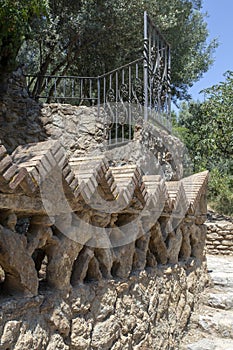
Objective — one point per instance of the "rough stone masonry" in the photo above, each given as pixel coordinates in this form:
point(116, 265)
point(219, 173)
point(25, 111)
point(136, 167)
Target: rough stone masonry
point(219, 234)
point(97, 251)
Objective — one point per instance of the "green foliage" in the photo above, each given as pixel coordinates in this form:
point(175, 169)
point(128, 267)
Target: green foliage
point(218, 110)
point(207, 131)
point(15, 18)
point(221, 192)
point(193, 125)
point(92, 37)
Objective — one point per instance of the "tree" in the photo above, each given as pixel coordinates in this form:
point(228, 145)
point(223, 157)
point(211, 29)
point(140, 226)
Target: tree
point(194, 130)
point(207, 130)
point(92, 37)
point(218, 109)
point(15, 18)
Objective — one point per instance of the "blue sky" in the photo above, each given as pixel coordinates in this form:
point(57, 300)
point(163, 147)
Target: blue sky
point(219, 20)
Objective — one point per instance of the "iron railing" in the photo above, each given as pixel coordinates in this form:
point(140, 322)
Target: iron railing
point(70, 89)
point(129, 94)
point(157, 75)
point(121, 95)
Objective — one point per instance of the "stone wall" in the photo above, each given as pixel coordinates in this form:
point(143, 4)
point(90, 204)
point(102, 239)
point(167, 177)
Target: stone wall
point(219, 234)
point(98, 250)
point(80, 129)
point(147, 311)
point(153, 150)
point(167, 148)
point(120, 267)
point(23, 121)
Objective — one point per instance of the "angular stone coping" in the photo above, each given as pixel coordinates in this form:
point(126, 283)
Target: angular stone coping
point(25, 171)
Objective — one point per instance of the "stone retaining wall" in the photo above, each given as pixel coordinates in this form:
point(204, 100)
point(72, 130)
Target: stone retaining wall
point(219, 234)
point(167, 148)
point(97, 252)
point(80, 129)
point(148, 311)
point(122, 276)
point(23, 121)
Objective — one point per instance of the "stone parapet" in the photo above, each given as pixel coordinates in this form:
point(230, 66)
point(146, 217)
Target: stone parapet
point(95, 254)
point(91, 220)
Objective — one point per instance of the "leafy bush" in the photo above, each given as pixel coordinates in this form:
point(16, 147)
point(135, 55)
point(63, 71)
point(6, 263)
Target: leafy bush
point(207, 131)
point(220, 195)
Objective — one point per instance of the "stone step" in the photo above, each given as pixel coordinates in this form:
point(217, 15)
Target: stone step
point(217, 322)
point(223, 279)
point(211, 344)
point(220, 300)
point(221, 270)
point(211, 326)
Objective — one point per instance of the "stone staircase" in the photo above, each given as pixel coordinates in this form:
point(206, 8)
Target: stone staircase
point(211, 325)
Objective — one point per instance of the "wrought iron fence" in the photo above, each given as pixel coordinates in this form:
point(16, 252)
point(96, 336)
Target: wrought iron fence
point(157, 75)
point(69, 89)
point(129, 94)
point(121, 94)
